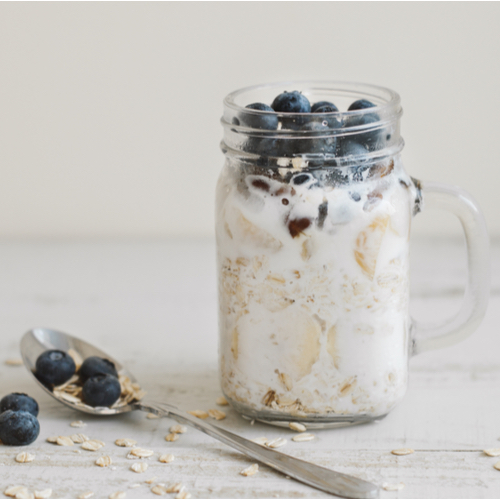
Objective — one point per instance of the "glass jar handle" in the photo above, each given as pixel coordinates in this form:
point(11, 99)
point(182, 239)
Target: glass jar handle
point(435, 336)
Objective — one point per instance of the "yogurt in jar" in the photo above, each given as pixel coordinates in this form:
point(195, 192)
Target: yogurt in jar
point(313, 278)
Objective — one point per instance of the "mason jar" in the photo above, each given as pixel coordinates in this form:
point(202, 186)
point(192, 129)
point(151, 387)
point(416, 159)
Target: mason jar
point(313, 217)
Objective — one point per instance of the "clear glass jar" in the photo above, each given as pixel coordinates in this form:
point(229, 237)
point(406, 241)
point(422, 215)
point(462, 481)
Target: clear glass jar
point(313, 216)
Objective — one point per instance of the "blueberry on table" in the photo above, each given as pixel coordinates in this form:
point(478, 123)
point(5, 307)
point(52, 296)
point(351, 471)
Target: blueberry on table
point(361, 104)
point(322, 104)
point(18, 401)
point(18, 428)
point(53, 368)
point(291, 102)
point(265, 121)
point(101, 390)
point(94, 365)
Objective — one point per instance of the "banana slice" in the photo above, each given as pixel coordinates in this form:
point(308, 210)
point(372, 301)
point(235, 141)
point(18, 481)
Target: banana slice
point(368, 245)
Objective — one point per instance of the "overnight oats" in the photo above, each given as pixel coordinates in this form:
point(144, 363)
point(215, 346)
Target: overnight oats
point(313, 218)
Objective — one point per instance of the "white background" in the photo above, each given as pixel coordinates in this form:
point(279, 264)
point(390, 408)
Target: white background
point(109, 112)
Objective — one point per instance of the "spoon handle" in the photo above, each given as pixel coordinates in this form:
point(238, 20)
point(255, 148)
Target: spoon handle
point(324, 479)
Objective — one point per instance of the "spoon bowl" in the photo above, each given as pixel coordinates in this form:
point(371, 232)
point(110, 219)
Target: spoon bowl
point(38, 340)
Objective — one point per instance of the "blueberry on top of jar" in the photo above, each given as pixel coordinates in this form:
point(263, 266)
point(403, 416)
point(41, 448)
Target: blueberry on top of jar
point(315, 108)
point(361, 104)
point(291, 102)
point(54, 367)
point(265, 121)
point(94, 365)
point(18, 401)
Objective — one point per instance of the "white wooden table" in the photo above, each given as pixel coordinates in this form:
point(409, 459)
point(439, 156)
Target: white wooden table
point(153, 305)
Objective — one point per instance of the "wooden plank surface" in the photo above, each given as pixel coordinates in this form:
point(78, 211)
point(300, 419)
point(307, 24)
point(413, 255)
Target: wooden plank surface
point(153, 305)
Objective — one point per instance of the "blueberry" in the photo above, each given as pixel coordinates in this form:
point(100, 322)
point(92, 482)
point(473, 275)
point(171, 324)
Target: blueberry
point(319, 139)
point(321, 104)
point(260, 120)
point(355, 196)
point(291, 102)
point(101, 390)
point(18, 401)
point(54, 368)
point(96, 366)
point(18, 428)
point(371, 139)
point(301, 178)
point(361, 104)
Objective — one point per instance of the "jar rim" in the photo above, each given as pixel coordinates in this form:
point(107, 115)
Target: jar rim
point(391, 100)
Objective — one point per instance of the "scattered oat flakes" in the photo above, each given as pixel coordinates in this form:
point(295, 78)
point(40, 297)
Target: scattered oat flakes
point(221, 401)
point(492, 452)
point(178, 429)
point(199, 414)
point(79, 438)
point(172, 437)
point(126, 442)
point(86, 494)
point(159, 490)
point(14, 362)
point(303, 436)
point(141, 453)
point(183, 494)
point(250, 471)
point(176, 488)
point(167, 458)
point(12, 490)
point(276, 443)
point(262, 440)
point(103, 461)
point(151, 416)
point(92, 445)
point(25, 457)
point(118, 494)
point(139, 467)
point(393, 487)
point(52, 439)
point(43, 493)
point(78, 423)
point(152, 480)
point(217, 414)
point(403, 451)
point(497, 466)
point(295, 426)
point(64, 441)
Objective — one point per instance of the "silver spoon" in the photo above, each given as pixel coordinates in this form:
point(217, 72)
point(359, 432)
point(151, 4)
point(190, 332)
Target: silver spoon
point(39, 340)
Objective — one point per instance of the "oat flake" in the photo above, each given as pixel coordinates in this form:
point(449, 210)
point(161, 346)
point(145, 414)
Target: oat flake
point(217, 414)
point(103, 461)
point(118, 494)
point(152, 416)
point(152, 480)
point(79, 438)
point(276, 443)
point(175, 488)
point(172, 437)
point(492, 452)
point(24, 493)
point(167, 458)
point(86, 494)
point(199, 414)
point(78, 423)
point(126, 442)
point(250, 471)
point(141, 453)
point(183, 494)
point(221, 401)
point(178, 429)
point(497, 466)
point(139, 467)
point(159, 490)
point(92, 445)
point(304, 436)
point(64, 441)
point(262, 441)
point(25, 457)
point(403, 451)
point(12, 490)
point(14, 362)
point(43, 493)
point(295, 426)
